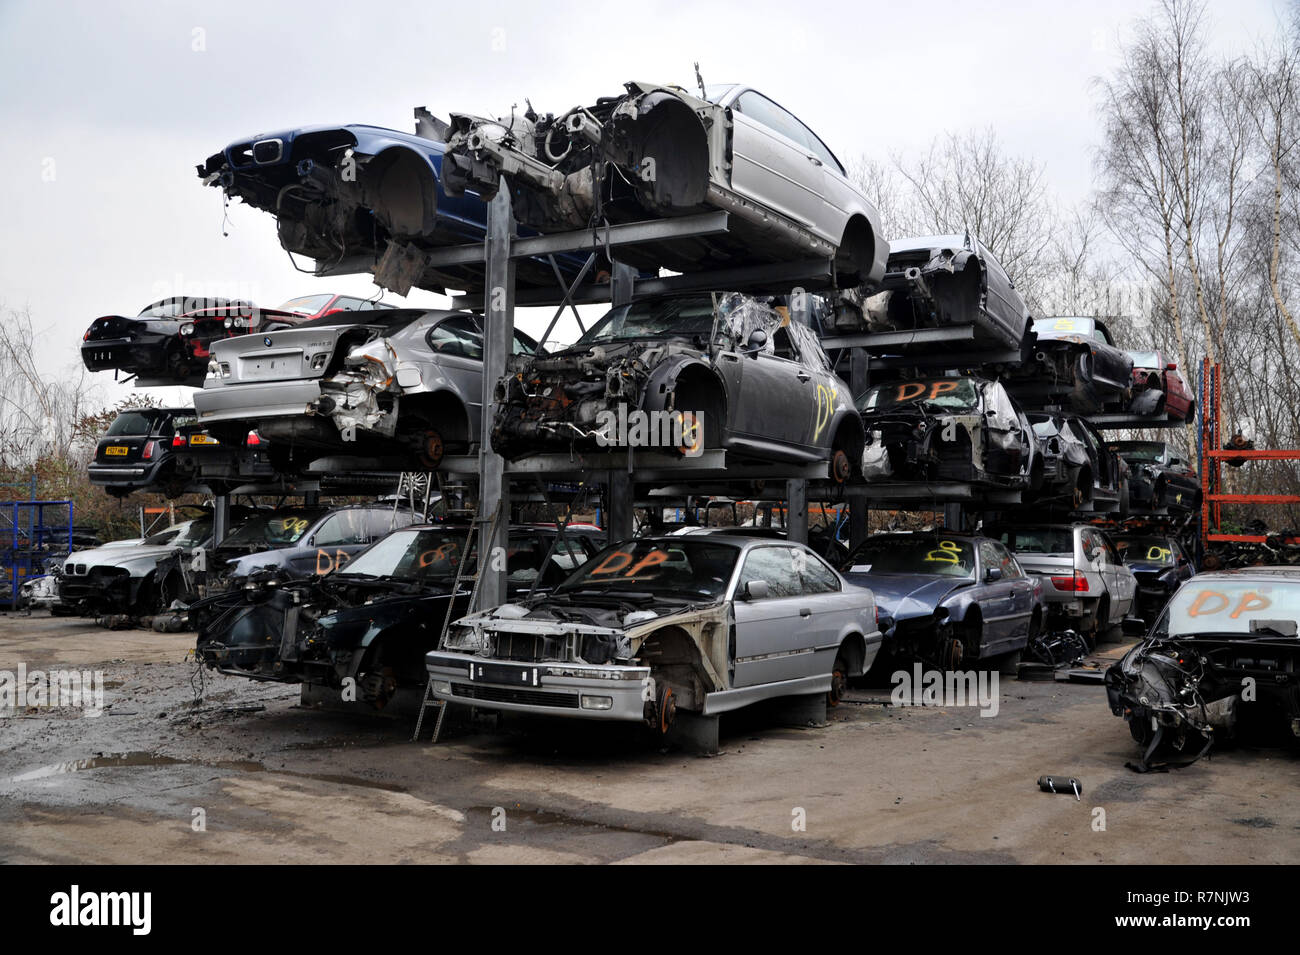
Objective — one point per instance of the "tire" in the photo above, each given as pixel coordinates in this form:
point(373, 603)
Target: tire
point(839, 680)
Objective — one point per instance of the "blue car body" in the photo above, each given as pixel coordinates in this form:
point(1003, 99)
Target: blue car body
point(340, 193)
point(960, 611)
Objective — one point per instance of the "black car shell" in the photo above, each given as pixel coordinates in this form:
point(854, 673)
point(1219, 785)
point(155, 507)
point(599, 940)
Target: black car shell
point(137, 451)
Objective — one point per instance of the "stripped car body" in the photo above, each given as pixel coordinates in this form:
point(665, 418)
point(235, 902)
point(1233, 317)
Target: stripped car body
point(947, 597)
point(373, 620)
point(1080, 472)
point(405, 381)
point(1159, 481)
point(1159, 389)
point(960, 428)
point(358, 197)
point(656, 625)
point(1077, 364)
point(1221, 661)
point(944, 281)
point(737, 373)
point(151, 345)
point(660, 151)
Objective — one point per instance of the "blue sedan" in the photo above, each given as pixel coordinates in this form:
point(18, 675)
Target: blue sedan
point(949, 596)
point(366, 194)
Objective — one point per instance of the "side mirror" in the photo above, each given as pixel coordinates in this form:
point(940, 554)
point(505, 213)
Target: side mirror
point(311, 541)
point(1133, 627)
point(993, 573)
point(757, 339)
point(755, 589)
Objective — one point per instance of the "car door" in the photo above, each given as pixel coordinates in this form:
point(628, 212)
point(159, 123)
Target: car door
point(774, 634)
point(1120, 582)
point(996, 597)
point(771, 161)
point(333, 542)
point(1003, 303)
point(778, 395)
point(1021, 608)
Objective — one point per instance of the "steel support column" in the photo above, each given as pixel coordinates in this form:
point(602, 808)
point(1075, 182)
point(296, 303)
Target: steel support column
point(620, 498)
point(499, 330)
point(796, 515)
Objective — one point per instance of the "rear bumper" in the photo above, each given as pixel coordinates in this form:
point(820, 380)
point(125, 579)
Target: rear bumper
point(272, 399)
point(125, 475)
point(146, 354)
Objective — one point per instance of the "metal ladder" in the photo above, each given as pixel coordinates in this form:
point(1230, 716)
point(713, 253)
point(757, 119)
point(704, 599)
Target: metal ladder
point(461, 576)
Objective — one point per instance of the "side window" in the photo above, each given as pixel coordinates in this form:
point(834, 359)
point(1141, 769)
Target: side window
point(818, 578)
point(456, 336)
point(776, 566)
point(783, 345)
point(820, 151)
point(345, 527)
point(347, 304)
point(523, 345)
point(763, 110)
point(379, 521)
point(1010, 569)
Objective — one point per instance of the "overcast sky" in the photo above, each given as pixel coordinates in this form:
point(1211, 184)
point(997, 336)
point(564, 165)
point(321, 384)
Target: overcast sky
point(109, 106)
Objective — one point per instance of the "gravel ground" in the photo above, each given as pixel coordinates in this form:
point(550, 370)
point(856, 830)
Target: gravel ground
point(189, 767)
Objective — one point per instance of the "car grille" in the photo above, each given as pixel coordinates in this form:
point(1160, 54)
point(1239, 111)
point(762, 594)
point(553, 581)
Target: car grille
point(495, 694)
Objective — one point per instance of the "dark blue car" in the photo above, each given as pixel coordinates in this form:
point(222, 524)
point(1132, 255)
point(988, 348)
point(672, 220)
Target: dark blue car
point(365, 193)
point(949, 596)
point(1160, 564)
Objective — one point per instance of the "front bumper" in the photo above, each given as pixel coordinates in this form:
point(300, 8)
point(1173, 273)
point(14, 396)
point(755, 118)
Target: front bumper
point(542, 689)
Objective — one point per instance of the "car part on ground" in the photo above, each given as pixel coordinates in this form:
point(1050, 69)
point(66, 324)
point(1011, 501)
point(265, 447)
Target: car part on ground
point(1160, 481)
point(361, 192)
point(137, 451)
point(945, 281)
point(373, 620)
point(1221, 661)
point(1085, 585)
point(660, 151)
point(693, 373)
point(1076, 365)
point(657, 626)
point(947, 598)
point(1057, 648)
point(404, 382)
point(962, 428)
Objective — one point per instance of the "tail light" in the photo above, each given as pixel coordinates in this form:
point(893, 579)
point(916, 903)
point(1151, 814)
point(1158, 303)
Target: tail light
point(149, 448)
point(1077, 583)
point(253, 439)
point(178, 441)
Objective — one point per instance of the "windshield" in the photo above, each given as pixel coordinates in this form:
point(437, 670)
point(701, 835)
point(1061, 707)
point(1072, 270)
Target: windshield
point(1140, 451)
point(412, 555)
point(277, 529)
point(942, 394)
point(680, 568)
point(941, 556)
point(307, 304)
point(663, 318)
point(132, 423)
point(189, 534)
point(1058, 327)
point(1145, 550)
point(1145, 359)
point(1232, 606)
point(1040, 540)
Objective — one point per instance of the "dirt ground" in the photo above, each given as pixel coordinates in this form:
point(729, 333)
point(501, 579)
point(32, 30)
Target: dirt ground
point(247, 775)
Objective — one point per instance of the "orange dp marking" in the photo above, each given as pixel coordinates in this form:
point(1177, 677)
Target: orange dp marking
point(937, 388)
point(652, 559)
point(1249, 601)
point(444, 551)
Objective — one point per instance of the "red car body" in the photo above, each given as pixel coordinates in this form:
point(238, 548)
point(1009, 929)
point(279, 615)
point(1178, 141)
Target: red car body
point(1153, 371)
point(320, 304)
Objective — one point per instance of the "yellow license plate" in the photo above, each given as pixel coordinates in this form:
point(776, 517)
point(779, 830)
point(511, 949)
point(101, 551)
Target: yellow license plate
point(203, 439)
point(116, 449)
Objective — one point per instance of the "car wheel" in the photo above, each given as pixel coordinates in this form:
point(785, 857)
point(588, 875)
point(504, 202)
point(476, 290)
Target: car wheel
point(841, 468)
point(429, 449)
point(665, 710)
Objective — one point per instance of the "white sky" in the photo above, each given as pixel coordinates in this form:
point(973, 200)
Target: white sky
point(113, 101)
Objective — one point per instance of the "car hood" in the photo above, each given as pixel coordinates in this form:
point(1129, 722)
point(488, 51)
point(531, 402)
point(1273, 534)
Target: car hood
point(906, 596)
point(120, 556)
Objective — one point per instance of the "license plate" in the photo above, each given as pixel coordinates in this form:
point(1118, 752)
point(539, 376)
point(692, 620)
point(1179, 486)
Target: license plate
point(116, 450)
point(503, 673)
point(203, 439)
